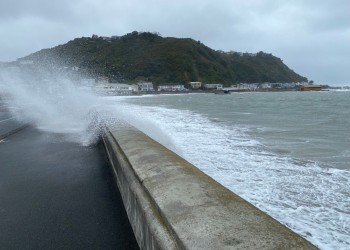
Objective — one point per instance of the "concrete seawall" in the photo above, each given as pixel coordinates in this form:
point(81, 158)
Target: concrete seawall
point(173, 205)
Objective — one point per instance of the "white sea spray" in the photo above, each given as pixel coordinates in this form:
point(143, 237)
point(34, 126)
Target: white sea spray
point(312, 200)
point(55, 104)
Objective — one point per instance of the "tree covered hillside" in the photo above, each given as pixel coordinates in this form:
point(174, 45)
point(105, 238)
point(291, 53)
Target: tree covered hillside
point(148, 56)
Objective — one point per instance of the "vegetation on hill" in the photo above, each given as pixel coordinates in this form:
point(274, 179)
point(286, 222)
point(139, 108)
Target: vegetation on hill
point(150, 57)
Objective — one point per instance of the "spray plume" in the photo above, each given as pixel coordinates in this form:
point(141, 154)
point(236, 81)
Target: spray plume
point(52, 103)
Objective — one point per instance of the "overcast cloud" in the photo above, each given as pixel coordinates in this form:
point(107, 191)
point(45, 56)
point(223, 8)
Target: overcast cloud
point(311, 36)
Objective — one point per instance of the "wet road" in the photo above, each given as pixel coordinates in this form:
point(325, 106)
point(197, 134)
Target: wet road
point(7, 122)
point(58, 195)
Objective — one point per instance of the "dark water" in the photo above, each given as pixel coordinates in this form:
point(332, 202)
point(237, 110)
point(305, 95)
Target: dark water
point(287, 153)
point(305, 125)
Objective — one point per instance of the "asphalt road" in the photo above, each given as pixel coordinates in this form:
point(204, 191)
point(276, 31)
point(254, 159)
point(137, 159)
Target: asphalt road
point(58, 195)
point(7, 122)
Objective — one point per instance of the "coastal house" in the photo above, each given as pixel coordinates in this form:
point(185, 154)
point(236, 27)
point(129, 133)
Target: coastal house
point(114, 89)
point(121, 88)
point(104, 88)
point(243, 87)
point(171, 87)
point(289, 85)
point(134, 88)
point(195, 85)
point(106, 38)
point(265, 85)
point(213, 86)
point(284, 85)
point(248, 86)
point(277, 85)
point(145, 86)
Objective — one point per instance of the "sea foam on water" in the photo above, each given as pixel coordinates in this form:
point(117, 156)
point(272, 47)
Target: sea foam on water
point(311, 199)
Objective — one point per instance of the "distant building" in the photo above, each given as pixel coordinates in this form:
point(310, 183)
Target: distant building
point(104, 88)
point(121, 89)
point(310, 88)
point(244, 87)
point(265, 85)
point(276, 85)
point(171, 87)
point(289, 85)
point(145, 86)
point(195, 85)
point(213, 86)
point(134, 88)
point(106, 38)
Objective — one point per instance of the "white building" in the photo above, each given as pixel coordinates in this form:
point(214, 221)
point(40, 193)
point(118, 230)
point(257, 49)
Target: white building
point(266, 85)
point(121, 88)
point(249, 86)
point(171, 87)
point(114, 89)
point(145, 86)
point(216, 86)
point(289, 85)
point(195, 85)
point(104, 88)
point(134, 88)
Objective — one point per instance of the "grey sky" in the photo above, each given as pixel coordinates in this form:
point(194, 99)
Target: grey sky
point(311, 36)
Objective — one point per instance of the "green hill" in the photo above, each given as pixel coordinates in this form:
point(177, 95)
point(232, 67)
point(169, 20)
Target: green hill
point(148, 56)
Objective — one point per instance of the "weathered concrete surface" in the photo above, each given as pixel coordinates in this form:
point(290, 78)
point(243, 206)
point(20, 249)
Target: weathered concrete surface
point(173, 205)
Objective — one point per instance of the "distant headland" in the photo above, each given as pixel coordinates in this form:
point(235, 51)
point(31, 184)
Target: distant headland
point(145, 56)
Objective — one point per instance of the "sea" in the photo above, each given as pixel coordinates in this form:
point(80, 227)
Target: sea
point(288, 153)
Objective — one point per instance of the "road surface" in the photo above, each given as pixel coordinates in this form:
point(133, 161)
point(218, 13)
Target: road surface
point(56, 194)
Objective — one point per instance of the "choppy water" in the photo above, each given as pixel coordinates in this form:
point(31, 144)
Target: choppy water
point(287, 153)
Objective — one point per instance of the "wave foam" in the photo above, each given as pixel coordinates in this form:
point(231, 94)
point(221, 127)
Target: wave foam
point(312, 200)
